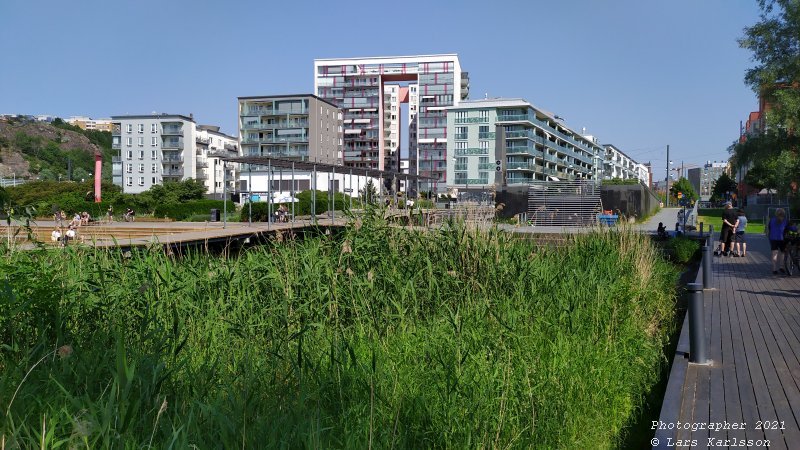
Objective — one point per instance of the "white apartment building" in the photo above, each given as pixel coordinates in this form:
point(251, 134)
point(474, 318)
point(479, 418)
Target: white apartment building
point(161, 147)
point(616, 164)
point(211, 146)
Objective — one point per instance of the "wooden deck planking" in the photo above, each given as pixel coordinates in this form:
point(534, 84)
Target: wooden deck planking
point(753, 331)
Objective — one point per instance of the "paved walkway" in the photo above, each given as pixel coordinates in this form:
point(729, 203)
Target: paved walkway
point(752, 323)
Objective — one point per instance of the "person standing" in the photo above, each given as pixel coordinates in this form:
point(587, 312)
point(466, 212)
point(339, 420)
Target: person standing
point(776, 229)
point(110, 213)
point(741, 243)
point(729, 222)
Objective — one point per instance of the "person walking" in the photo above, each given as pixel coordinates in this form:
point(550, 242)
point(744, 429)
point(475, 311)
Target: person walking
point(740, 242)
point(776, 230)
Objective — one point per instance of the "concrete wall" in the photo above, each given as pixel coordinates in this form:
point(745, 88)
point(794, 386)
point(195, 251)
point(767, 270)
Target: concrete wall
point(631, 200)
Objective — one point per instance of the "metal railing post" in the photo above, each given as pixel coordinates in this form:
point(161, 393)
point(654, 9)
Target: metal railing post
point(702, 225)
point(706, 258)
point(697, 335)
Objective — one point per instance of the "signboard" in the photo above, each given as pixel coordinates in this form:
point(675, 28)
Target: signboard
point(255, 198)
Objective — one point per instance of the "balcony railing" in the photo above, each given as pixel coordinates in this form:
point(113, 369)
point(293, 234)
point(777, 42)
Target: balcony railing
point(172, 159)
point(489, 135)
point(172, 173)
point(472, 120)
point(274, 140)
point(172, 131)
point(276, 125)
point(460, 167)
point(485, 166)
point(116, 145)
point(272, 112)
point(172, 144)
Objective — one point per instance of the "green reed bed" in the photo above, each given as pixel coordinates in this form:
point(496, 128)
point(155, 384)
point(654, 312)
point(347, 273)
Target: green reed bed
point(380, 338)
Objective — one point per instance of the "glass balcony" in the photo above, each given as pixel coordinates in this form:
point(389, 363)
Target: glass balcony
point(486, 166)
point(460, 167)
point(460, 136)
point(489, 135)
point(172, 144)
point(276, 125)
point(172, 131)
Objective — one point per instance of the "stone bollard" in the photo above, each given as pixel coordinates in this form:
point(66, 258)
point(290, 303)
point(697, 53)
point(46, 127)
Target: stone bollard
point(697, 335)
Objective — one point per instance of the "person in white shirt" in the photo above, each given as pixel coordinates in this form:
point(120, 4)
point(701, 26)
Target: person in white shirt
point(55, 236)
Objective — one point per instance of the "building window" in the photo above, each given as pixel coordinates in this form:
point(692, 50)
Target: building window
point(153, 180)
point(154, 141)
point(141, 154)
point(153, 128)
point(129, 181)
point(154, 154)
point(141, 181)
point(141, 128)
point(129, 168)
point(129, 141)
point(483, 114)
point(141, 141)
point(153, 169)
point(130, 154)
point(129, 128)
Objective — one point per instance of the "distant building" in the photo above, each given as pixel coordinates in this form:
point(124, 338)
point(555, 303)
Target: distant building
point(157, 148)
point(703, 178)
point(357, 85)
point(616, 164)
point(211, 146)
point(302, 127)
point(87, 123)
point(499, 142)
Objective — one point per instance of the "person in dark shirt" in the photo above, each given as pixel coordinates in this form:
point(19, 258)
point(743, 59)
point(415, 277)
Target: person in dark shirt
point(729, 222)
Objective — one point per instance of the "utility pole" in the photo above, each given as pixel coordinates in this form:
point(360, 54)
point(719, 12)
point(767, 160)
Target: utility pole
point(667, 194)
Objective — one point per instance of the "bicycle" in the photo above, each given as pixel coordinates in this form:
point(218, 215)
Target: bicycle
point(791, 257)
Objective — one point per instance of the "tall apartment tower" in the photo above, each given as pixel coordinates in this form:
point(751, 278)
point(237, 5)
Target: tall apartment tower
point(358, 87)
point(503, 142)
point(302, 127)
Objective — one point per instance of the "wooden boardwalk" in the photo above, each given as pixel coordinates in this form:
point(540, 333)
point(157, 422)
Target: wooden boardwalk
point(752, 323)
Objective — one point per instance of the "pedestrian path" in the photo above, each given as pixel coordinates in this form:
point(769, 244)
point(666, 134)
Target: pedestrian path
point(752, 325)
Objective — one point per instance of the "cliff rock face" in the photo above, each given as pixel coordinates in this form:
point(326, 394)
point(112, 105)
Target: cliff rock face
point(12, 159)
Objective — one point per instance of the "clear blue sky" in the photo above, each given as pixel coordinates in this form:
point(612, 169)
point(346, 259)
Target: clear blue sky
point(637, 74)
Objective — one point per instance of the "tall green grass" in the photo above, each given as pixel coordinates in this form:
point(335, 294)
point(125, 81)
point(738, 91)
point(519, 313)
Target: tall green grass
point(380, 338)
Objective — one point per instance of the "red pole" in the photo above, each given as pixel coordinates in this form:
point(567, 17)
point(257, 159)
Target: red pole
point(98, 172)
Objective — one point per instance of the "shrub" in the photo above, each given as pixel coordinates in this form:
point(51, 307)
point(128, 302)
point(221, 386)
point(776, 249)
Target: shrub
point(182, 211)
point(683, 249)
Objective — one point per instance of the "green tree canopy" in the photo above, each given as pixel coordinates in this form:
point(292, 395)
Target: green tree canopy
point(722, 186)
point(775, 44)
point(684, 187)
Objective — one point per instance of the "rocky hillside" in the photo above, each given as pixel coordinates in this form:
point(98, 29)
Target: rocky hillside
point(37, 150)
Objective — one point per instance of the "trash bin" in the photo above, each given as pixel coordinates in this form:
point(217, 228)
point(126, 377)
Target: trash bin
point(215, 215)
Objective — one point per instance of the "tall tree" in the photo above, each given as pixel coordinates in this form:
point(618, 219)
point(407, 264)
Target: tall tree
point(722, 186)
point(684, 187)
point(775, 44)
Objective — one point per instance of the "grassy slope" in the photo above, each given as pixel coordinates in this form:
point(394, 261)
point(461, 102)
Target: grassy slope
point(753, 227)
point(381, 338)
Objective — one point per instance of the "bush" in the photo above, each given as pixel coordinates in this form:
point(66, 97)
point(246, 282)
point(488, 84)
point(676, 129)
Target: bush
point(683, 249)
point(182, 211)
point(260, 213)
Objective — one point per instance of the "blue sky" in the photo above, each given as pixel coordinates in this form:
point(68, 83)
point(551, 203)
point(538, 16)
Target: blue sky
point(637, 74)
